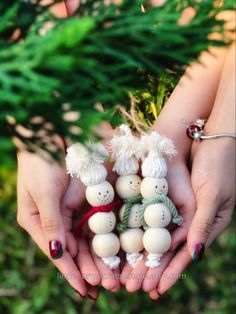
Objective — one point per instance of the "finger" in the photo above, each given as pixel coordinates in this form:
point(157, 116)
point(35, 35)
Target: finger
point(179, 235)
point(153, 275)
point(125, 274)
point(71, 244)
point(93, 292)
point(116, 273)
point(174, 271)
point(154, 295)
point(71, 6)
point(135, 280)
point(51, 223)
point(183, 197)
point(201, 227)
point(108, 280)
point(65, 264)
point(86, 264)
point(71, 201)
point(222, 220)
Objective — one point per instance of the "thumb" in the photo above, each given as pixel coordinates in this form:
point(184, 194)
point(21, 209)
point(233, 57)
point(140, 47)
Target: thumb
point(200, 228)
point(52, 225)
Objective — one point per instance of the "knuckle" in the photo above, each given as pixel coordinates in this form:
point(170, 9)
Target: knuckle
point(50, 225)
point(227, 220)
point(204, 228)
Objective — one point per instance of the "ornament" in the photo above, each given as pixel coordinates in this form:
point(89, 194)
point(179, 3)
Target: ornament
point(157, 209)
point(124, 150)
point(86, 162)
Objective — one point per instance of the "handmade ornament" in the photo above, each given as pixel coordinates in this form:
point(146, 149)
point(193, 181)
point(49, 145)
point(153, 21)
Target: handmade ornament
point(85, 162)
point(157, 209)
point(124, 148)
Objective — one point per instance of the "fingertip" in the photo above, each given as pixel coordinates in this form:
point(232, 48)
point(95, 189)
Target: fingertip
point(148, 285)
point(132, 286)
point(55, 249)
point(94, 281)
point(125, 274)
point(116, 289)
point(108, 284)
point(154, 295)
point(93, 293)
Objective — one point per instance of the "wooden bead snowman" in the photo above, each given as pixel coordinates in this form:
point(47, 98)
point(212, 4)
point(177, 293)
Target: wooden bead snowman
point(158, 210)
point(124, 148)
point(85, 162)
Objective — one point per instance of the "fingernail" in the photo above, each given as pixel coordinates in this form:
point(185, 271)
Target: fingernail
point(55, 249)
point(198, 253)
point(92, 298)
point(82, 296)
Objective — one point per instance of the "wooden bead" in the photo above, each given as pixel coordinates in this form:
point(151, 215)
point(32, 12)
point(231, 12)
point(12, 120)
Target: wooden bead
point(151, 187)
point(100, 194)
point(127, 186)
point(157, 240)
point(101, 223)
point(157, 216)
point(131, 241)
point(106, 245)
point(135, 220)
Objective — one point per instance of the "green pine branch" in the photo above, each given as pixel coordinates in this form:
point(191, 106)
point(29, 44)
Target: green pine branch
point(99, 55)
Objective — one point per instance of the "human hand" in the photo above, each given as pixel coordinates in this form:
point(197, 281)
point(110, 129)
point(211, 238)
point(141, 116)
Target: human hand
point(181, 193)
point(213, 166)
point(213, 181)
point(41, 187)
point(93, 270)
point(182, 103)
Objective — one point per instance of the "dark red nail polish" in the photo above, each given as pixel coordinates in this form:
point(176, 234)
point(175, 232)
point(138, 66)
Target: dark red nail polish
point(198, 253)
point(55, 249)
point(82, 296)
point(92, 298)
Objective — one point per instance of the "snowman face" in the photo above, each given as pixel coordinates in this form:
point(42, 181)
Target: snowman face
point(128, 186)
point(100, 194)
point(151, 187)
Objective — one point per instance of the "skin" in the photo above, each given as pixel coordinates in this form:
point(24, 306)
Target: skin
point(213, 163)
point(47, 202)
point(198, 80)
point(48, 199)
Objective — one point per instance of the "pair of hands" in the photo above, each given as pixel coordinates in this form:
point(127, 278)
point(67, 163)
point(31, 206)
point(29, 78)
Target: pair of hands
point(48, 199)
point(203, 193)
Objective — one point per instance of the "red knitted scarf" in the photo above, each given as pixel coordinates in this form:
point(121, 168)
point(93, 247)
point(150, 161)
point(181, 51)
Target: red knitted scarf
point(93, 210)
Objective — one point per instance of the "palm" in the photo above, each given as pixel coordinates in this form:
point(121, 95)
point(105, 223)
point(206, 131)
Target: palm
point(92, 268)
point(181, 194)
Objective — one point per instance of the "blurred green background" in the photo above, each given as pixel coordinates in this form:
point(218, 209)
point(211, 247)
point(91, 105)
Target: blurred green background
point(29, 283)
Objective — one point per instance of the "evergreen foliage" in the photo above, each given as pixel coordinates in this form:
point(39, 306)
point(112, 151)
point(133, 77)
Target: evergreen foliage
point(99, 55)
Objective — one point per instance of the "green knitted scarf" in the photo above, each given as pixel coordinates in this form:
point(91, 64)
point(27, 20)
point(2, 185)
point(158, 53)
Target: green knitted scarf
point(161, 198)
point(129, 202)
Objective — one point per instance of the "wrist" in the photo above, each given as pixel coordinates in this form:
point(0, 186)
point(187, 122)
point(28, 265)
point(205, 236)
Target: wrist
point(176, 131)
point(216, 125)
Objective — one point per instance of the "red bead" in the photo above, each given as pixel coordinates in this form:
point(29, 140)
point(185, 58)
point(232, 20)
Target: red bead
point(191, 129)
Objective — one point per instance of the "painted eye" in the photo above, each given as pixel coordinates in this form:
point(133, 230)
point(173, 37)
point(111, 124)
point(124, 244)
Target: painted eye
point(100, 193)
point(164, 186)
point(131, 182)
point(156, 186)
point(138, 182)
point(107, 191)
